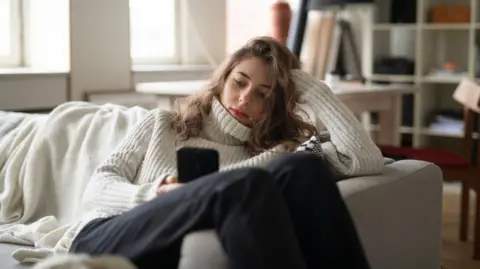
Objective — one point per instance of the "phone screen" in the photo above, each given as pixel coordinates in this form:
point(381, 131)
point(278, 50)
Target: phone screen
point(193, 163)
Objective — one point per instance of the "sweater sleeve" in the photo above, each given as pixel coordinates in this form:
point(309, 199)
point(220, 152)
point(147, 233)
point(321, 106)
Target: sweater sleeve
point(350, 150)
point(111, 185)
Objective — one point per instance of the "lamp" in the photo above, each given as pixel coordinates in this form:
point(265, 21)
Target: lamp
point(299, 21)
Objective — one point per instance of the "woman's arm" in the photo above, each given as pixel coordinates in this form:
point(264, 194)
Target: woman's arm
point(111, 185)
point(351, 151)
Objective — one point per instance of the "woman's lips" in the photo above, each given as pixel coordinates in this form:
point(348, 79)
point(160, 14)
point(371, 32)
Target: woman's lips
point(238, 113)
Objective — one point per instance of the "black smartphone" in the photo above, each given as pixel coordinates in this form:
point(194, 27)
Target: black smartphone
point(193, 163)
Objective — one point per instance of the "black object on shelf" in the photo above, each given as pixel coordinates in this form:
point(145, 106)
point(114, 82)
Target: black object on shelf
point(339, 68)
point(403, 11)
point(397, 66)
point(406, 140)
point(394, 66)
point(347, 64)
point(408, 104)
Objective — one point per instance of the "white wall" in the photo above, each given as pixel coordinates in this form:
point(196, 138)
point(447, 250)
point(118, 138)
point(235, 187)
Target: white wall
point(100, 46)
point(32, 91)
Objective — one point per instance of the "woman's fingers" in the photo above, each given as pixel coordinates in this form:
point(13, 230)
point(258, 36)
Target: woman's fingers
point(171, 180)
point(170, 183)
point(168, 187)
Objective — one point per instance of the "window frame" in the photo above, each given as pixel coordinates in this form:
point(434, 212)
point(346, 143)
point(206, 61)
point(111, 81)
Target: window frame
point(14, 59)
point(176, 59)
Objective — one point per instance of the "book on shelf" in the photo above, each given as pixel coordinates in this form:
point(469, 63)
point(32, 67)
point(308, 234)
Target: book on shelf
point(330, 47)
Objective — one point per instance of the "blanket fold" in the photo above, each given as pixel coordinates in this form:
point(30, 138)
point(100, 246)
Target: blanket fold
point(45, 164)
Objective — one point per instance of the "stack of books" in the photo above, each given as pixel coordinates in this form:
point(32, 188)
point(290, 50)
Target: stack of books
point(329, 47)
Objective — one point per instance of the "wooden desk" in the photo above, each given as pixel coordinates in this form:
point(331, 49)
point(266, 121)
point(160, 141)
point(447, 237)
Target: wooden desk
point(384, 99)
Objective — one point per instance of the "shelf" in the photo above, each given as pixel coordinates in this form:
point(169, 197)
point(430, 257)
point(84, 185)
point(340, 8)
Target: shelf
point(442, 79)
point(426, 131)
point(406, 130)
point(374, 128)
point(453, 134)
point(425, 26)
point(432, 132)
point(447, 26)
point(430, 46)
point(403, 129)
point(392, 26)
point(393, 78)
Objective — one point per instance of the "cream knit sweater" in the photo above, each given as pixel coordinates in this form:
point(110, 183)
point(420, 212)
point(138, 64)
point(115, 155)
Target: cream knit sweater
point(131, 175)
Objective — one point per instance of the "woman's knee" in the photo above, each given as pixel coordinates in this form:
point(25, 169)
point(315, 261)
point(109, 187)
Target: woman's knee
point(241, 178)
point(247, 182)
point(303, 173)
point(252, 177)
point(303, 161)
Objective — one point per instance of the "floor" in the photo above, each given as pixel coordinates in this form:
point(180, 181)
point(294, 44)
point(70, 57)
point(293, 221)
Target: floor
point(456, 254)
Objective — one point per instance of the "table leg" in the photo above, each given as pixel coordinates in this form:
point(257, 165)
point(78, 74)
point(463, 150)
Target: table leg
point(390, 121)
point(476, 241)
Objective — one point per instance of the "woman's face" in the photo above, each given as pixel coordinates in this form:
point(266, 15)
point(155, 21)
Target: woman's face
point(246, 90)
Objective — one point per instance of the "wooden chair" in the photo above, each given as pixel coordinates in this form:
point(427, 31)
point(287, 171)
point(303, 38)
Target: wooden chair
point(457, 167)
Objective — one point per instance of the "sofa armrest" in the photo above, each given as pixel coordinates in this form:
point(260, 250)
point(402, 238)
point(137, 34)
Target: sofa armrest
point(398, 214)
point(202, 250)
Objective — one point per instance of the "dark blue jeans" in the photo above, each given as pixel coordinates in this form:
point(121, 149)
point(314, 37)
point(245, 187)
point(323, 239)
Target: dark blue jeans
point(288, 215)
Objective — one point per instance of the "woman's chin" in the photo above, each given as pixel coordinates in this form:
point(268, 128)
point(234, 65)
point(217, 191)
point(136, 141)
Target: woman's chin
point(243, 121)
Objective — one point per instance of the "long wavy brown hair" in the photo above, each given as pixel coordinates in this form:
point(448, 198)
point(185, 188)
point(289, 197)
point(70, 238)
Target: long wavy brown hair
point(283, 125)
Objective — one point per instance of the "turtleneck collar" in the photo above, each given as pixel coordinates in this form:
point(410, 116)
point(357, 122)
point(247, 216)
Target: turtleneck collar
point(220, 126)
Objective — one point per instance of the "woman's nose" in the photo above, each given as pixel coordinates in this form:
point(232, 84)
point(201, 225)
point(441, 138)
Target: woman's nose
point(246, 96)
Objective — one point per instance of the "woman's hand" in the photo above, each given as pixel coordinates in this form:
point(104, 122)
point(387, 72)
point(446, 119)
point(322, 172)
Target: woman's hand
point(170, 180)
point(170, 183)
point(164, 188)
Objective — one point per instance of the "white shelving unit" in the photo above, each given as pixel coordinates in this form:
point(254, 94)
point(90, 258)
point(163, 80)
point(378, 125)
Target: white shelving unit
point(429, 46)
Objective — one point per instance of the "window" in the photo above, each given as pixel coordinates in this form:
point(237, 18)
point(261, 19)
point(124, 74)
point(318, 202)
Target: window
point(246, 19)
point(154, 31)
point(10, 33)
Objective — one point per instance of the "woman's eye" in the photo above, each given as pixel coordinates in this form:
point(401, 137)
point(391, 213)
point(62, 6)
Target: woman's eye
point(261, 95)
point(239, 83)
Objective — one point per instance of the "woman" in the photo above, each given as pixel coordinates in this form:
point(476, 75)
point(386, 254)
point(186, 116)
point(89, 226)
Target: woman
point(270, 208)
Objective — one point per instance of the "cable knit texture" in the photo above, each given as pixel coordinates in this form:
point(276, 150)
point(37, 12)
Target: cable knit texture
point(132, 173)
point(351, 150)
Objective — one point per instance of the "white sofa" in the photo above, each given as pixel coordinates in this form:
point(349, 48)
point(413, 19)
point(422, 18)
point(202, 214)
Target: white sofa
point(397, 214)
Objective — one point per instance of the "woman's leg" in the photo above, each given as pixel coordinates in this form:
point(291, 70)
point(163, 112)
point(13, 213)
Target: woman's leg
point(244, 206)
point(323, 225)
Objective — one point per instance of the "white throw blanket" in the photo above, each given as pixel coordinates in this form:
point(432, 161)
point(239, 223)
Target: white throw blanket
point(46, 162)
